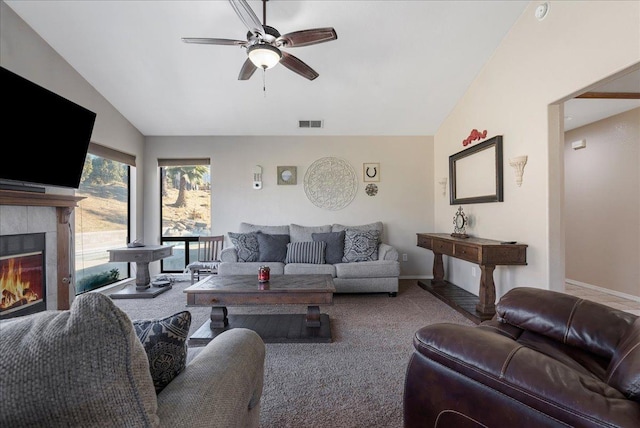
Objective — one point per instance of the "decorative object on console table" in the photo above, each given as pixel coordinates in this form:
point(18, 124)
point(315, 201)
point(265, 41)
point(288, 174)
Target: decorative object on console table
point(142, 256)
point(460, 221)
point(486, 253)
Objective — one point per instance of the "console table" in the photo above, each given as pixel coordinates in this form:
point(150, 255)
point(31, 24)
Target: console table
point(142, 256)
point(486, 253)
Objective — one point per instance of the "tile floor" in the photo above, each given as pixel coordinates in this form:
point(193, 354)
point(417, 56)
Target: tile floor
point(621, 303)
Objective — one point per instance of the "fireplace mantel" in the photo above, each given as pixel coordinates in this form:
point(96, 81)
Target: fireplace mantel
point(64, 205)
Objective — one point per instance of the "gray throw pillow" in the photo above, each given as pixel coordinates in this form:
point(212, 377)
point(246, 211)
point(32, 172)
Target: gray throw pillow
point(306, 252)
point(335, 245)
point(86, 365)
point(272, 248)
point(361, 245)
point(165, 342)
point(246, 245)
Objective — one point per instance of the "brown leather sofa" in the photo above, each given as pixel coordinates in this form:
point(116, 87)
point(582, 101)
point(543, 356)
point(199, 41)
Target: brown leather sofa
point(547, 359)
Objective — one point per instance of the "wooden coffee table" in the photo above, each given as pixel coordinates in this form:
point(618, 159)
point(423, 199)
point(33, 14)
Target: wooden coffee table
point(218, 292)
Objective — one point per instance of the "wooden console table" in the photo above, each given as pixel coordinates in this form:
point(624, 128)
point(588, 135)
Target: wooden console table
point(486, 253)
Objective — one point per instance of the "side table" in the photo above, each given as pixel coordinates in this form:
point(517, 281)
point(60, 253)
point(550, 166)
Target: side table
point(142, 256)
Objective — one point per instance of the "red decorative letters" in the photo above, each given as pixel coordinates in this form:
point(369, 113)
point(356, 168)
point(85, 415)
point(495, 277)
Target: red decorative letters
point(475, 135)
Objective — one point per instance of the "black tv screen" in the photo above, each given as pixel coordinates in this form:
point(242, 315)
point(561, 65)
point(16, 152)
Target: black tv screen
point(46, 136)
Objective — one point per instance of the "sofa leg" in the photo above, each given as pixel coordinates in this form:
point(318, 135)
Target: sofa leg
point(393, 294)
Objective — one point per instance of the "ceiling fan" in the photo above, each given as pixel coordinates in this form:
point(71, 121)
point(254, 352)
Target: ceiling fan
point(264, 43)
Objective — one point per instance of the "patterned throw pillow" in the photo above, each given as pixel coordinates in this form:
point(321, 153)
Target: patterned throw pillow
point(165, 341)
point(272, 248)
point(361, 245)
point(335, 245)
point(247, 246)
point(306, 252)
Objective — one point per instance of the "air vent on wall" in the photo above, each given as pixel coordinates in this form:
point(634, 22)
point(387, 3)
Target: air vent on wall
point(310, 124)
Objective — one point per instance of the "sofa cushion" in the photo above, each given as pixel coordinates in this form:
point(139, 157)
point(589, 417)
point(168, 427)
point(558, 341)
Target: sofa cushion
point(309, 269)
point(246, 245)
point(306, 252)
point(335, 245)
point(370, 226)
point(272, 230)
point(376, 269)
point(249, 268)
point(305, 233)
point(624, 369)
point(165, 342)
point(272, 248)
point(83, 367)
point(361, 245)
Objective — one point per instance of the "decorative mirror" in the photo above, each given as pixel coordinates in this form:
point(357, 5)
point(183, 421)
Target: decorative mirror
point(287, 175)
point(475, 174)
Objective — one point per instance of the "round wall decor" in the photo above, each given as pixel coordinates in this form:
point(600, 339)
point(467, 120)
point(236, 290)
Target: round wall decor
point(371, 189)
point(330, 183)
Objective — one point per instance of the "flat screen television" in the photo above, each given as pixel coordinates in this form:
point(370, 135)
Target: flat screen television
point(46, 136)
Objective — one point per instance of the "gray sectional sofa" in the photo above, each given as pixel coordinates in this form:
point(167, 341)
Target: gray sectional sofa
point(354, 256)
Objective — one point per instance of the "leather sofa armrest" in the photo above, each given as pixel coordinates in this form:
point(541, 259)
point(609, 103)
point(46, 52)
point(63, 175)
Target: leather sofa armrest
point(387, 252)
point(567, 319)
point(229, 254)
point(220, 387)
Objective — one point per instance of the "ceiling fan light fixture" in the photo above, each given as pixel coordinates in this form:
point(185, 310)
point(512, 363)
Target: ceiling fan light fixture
point(264, 56)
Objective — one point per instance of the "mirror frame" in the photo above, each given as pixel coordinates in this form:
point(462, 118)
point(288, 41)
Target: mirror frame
point(498, 195)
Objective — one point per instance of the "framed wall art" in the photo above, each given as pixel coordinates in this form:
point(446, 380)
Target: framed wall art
point(371, 172)
point(287, 175)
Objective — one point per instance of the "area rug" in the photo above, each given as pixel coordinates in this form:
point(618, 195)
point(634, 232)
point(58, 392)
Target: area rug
point(356, 380)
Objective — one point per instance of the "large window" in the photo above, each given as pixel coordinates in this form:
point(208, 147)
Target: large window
point(102, 218)
point(185, 186)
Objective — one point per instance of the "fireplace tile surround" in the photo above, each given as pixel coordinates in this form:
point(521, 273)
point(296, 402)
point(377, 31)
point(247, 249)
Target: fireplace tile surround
point(25, 212)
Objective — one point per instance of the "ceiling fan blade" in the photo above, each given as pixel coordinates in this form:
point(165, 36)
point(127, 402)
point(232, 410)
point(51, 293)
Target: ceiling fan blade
point(209, 41)
point(247, 16)
point(308, 37)
point(297, 66)
point(247, 70)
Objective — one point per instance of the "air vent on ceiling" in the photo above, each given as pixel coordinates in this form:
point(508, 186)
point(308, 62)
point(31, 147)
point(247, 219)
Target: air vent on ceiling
point(310, 124)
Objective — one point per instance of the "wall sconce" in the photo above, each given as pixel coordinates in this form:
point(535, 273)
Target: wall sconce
point(518, 164)
point(257, 177)
point(443, 183)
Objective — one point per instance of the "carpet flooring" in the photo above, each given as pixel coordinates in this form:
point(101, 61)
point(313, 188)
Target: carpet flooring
point(355, 381)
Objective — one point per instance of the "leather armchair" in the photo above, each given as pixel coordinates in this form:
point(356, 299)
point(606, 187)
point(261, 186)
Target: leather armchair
point(547, 359)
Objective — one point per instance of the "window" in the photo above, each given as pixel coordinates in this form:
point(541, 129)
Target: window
point(185, 211)
point(102, 219)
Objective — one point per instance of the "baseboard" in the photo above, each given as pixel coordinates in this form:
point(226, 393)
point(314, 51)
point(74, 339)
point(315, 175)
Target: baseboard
point(603, 290)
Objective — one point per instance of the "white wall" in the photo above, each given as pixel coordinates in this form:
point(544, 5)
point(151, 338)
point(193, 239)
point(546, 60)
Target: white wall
point(404, 201)
point(602, 197)
point(538, 64)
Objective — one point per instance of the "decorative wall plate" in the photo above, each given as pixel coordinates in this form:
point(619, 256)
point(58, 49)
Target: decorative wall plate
point(330, 183)
point(371, 189)
point(287, 175)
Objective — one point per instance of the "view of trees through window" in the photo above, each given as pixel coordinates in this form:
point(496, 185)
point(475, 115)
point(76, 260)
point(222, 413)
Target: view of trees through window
point(186, 212)
point(101, 223)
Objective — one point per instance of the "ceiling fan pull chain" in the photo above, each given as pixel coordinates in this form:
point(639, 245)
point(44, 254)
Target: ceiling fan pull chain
point(264, 82)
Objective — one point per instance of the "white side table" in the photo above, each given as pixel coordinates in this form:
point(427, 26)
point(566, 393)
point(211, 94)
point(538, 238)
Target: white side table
point(142, 256)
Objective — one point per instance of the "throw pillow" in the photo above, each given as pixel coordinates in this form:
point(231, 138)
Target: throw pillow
point(165, 342)
point(306, 252)
point(246, 245)
point(335, 245)
point(88, 354)
point(361, 245)
point(272, 248)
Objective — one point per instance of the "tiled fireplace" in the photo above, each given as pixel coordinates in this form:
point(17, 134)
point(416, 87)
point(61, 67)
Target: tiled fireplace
point(45, 216)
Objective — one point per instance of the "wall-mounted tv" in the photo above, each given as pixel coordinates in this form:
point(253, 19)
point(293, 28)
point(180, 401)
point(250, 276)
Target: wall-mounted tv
point(46, 136)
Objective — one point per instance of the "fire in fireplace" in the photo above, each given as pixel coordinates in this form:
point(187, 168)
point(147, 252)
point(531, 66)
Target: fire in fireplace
point(22, 274)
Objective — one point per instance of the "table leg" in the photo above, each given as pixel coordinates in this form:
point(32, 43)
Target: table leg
point(219, 317)
point(142, 275)
point(313, 316)
point(438, 268)
point(487, 292)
